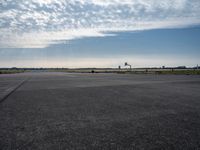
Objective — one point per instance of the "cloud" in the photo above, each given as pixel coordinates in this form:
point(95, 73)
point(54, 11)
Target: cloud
point(40, 23)
point(44, 39)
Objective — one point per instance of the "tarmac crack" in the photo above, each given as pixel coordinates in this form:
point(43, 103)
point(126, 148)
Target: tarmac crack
point(12, 91)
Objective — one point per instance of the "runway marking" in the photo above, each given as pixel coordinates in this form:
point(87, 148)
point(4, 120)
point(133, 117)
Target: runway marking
point(12, 91)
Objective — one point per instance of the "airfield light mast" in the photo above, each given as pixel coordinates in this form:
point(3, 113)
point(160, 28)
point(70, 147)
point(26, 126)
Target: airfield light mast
point(126, 64)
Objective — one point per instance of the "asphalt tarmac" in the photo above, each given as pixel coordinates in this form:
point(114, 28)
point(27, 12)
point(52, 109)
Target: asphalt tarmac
point(47, 110)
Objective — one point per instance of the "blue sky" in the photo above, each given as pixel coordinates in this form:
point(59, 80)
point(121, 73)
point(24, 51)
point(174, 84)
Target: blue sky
point(99, 33)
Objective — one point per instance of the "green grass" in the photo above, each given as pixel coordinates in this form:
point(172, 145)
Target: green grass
point(122, 71)
point(135, 71)
point(10, 71)
point(162, 71)
point(185, 72)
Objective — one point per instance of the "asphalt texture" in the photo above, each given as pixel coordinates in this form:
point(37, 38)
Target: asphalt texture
point(99, 111)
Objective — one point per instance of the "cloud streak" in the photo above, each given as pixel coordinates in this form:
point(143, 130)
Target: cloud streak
point(40, 23)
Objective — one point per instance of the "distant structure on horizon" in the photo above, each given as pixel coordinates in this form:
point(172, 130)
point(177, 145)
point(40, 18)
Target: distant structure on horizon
point(126, 64)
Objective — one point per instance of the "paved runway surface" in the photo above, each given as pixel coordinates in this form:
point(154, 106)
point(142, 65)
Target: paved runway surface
point(99, 111)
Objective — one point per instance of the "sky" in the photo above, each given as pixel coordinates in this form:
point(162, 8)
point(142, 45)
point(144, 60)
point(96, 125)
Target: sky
point(99, 33)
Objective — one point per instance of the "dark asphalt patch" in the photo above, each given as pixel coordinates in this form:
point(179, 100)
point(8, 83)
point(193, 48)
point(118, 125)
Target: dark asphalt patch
point(153, 115)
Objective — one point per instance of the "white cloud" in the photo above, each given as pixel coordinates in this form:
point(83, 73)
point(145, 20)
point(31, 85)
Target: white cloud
point(43, 39)
point(40, 23)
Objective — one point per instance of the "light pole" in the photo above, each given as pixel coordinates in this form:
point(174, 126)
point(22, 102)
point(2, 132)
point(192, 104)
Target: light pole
point(126, 64)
